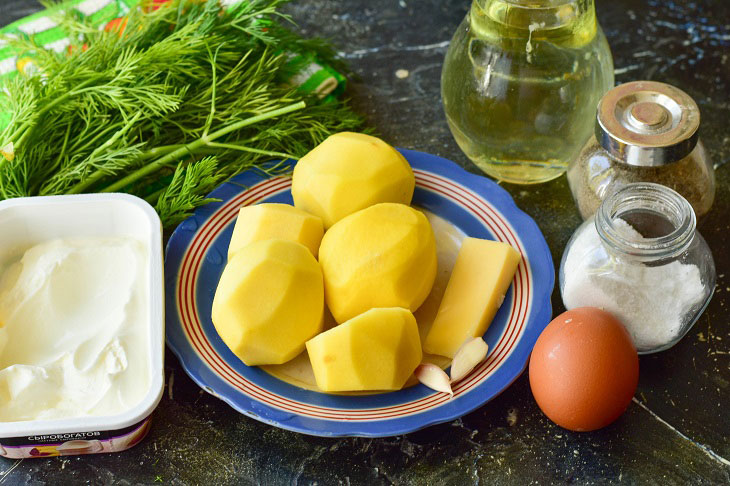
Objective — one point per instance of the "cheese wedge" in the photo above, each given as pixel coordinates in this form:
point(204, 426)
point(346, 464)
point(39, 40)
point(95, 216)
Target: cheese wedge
point(480, 278)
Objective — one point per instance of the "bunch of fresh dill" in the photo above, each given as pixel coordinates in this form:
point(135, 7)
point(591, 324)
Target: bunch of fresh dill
point(178, 100)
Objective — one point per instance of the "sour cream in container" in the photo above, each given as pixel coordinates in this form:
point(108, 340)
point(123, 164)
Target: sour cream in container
point(81, 323)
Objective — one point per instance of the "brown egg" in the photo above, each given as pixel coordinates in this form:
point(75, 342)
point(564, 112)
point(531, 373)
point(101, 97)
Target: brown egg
point(584, 369)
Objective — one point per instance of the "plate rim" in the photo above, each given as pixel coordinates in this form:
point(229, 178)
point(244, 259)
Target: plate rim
point(541, 310)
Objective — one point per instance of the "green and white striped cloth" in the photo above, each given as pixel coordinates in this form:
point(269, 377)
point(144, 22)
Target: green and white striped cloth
point(310, 75)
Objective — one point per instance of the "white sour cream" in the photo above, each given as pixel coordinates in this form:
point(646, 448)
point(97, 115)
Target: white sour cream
point(74, 330)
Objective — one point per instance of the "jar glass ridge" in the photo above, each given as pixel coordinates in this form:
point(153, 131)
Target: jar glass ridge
point(649, 201)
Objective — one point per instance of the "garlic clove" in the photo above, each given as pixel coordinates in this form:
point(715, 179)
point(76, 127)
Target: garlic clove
point(8, 151)
point(433, 377)
point(468, 357)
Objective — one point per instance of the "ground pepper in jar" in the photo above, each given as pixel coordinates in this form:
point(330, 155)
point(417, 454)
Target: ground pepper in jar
point(645, 132)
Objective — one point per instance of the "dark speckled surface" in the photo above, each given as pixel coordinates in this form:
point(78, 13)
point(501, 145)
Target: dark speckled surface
point(677, 429)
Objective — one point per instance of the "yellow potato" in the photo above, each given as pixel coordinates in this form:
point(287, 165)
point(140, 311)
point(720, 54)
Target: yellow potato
point(377, 350)
point(481, 276)
point(271, 220)
point(349, 172)
point(269, 301)
point(382, 256)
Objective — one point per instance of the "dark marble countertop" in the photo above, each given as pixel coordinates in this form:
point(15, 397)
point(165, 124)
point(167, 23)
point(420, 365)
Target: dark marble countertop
point(676, 430)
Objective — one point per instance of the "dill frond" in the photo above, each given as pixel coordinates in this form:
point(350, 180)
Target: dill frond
point(138, 108)
point(188, 189)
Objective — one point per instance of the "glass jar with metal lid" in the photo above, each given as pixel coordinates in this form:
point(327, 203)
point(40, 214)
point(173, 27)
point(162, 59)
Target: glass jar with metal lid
point(641, 258)
point(645, 131)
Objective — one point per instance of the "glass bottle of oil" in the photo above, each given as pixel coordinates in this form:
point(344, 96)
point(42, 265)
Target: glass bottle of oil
point(521, 82)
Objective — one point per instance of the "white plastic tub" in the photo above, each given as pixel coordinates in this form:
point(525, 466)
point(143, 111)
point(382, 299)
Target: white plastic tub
point(25, 222)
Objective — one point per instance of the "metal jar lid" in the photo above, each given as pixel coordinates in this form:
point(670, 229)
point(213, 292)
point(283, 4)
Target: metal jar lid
point(646, 123)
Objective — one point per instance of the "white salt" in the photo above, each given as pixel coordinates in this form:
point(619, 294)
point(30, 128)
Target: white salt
point(651, 301)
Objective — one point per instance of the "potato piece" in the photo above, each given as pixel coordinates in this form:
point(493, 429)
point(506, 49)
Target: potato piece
point(482, 274)
point(377, 350)
point(382, 256)
point(272, 220)
point(269, 301)
point(349, 172)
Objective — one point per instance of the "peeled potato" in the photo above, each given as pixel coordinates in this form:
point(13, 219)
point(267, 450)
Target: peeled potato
point(269, 301)
point(377, 350)
point(275, 221)
point(349, 172)
point(382, 256)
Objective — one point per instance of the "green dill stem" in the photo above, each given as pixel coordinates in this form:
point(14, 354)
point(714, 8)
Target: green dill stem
point(86, 183)
point(209, 120)
point(101, 134)
point(57, 162)
point(192, 146)
point(159, 151)
point(243, 148)
point(23, 131)
point(63, 148)
point(166, 149)
point(96, 176)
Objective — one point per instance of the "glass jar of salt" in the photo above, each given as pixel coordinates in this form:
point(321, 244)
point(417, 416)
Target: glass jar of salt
point(641, 259)
point(645, 132)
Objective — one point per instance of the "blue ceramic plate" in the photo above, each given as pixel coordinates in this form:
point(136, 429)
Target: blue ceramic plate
point(196, 255)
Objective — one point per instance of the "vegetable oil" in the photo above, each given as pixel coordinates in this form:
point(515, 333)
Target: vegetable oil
point(521, 82)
